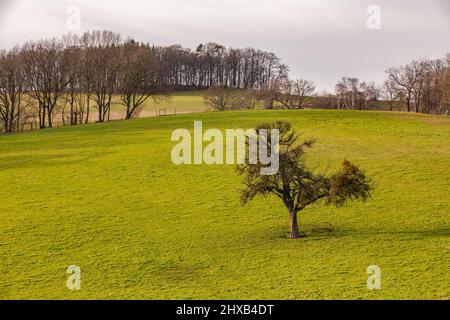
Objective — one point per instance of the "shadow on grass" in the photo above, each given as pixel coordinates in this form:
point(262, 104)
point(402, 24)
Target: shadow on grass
point(327, 231)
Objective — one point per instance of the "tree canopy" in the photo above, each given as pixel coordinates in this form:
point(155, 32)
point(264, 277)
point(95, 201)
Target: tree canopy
point(297, 185)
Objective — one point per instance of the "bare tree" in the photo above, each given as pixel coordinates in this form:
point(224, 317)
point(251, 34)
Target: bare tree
point(220, 98)
point(284, 94)
point(75, 94)
point(250, 99)
point(422, 69)
point(46, 63)
point(268, 93)
point(433, 93)
point(290, 94)
point(104, 63)
point(406, 79)
point(444, 87)
point(303, 90)
point(212, 63)
point(87, 45)
point(139, 78)
point(348, 92)
point(390, 94)
point(370, 93)
point(355, 95)
point(12, 89)
point(422, 85)
point(68, 77)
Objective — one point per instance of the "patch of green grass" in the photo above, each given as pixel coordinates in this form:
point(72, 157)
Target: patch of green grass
point(107, 198)
point(179, 102)
point(182, 102)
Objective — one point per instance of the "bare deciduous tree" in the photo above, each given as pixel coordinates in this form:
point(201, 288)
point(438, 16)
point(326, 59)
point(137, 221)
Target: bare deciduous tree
point(12, 89)
point(355, 95)
point(348, 92)
point(104, 62)
point(139, 78)
point(46, 64)
point(290, 94)
point(405, 79)
point(303, 90)
point(219, 97)
point(421, 84)
point(390, 94)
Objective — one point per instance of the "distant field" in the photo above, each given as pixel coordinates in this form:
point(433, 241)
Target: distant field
point(179, 102)
point(106, 197)
point(184, 102)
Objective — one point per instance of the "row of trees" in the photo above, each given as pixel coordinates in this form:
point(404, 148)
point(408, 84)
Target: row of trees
point(289, 94)
point(73, 74)
point(211, 64)
point(221, 98)
point(77, 78)
point(420, 86)
point(423, 86)
point(355, 95)
point(282, 92)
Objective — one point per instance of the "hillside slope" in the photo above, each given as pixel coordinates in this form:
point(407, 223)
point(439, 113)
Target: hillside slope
point(107, 198)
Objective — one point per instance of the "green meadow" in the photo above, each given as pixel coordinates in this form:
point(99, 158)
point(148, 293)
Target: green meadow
point(107, 198)
point(179, 102)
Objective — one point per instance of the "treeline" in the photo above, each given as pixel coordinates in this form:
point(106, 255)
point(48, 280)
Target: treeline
point(212, 64)
point(422, 86)
point(77, 78)
point(277, 93)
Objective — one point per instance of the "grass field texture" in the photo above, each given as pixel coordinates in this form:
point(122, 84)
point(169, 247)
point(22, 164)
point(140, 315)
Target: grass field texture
point(178, 102)
point(107, 198)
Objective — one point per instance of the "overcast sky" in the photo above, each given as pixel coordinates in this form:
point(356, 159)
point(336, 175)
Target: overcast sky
point(320, 40)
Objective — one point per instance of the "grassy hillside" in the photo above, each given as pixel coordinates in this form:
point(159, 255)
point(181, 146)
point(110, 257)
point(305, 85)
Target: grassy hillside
point(179, 102)
point(106, 197)
point(182, 102)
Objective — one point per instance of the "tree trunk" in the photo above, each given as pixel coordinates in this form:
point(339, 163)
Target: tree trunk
point(295, 233)
point(128, 113)
point(41, 117)
point(87, 108)
point(408, 103)
point(49, 117)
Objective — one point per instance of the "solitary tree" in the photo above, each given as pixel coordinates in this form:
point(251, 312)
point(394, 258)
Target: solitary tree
point(295, 184)
point(220, 98)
